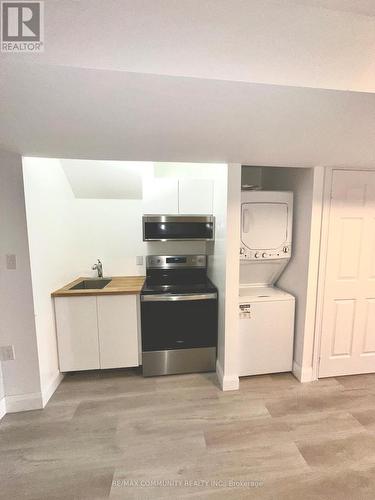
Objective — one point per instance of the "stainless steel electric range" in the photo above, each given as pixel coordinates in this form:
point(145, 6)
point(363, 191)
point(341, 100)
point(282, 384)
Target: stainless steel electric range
point(179, 311)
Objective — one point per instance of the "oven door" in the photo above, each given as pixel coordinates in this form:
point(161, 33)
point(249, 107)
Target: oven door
point(174, 227)
point(178, 321)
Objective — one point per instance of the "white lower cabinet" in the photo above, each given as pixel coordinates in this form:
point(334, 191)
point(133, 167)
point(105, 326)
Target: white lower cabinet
point(77, 333)
point(97, 332)
point(118, 330)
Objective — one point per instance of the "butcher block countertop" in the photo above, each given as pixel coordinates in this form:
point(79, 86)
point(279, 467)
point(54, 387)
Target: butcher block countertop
point(119, 285)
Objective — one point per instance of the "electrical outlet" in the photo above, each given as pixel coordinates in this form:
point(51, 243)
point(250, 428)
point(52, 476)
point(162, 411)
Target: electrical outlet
point(7, 353)
point(11, 261)
point(139, 260)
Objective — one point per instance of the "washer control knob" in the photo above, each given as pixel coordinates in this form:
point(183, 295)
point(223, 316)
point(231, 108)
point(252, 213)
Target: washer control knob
point(286, 249)
point(256, 255)
point(242, 251)
point(264, 255)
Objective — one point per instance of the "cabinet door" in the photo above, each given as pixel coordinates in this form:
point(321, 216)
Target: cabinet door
point(160, 196)
point(195, 196)
point(77, 333)
point(118, 331)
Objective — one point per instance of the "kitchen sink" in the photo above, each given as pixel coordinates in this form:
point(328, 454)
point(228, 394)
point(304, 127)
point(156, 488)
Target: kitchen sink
point(91, 284)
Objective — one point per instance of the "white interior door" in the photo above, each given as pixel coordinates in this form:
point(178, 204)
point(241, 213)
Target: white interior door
point(348, 323)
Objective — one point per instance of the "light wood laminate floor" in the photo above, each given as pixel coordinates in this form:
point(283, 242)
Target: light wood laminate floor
point(114, 434)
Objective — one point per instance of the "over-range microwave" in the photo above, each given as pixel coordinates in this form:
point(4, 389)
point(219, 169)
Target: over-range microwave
point(178, 227)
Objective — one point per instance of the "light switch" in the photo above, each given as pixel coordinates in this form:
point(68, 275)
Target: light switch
point(11, 261)
point(139, 260)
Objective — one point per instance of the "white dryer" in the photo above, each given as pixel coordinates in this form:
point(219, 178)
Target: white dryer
point(266, 225)
point(266, 312)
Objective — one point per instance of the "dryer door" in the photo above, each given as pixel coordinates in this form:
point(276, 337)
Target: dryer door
point(264, 225)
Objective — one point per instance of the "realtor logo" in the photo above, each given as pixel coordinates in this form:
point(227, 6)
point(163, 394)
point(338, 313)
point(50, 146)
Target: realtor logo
point(22, 26)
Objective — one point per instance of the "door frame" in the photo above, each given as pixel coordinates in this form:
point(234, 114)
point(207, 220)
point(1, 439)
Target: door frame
point(326, 212)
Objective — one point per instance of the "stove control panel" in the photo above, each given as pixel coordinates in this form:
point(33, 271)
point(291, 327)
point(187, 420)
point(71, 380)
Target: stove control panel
point(175, 261)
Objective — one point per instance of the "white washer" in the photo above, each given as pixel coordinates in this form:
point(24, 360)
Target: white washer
point(266, 312)
point(266, 330)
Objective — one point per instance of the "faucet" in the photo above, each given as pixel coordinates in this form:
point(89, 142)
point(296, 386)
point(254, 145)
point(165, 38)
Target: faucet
point(98, 267)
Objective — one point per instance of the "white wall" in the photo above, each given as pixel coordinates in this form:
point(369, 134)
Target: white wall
point(232, 276)
point(2, 395)
point(50, 223)
point(117, 180)
point(224, 270)
point(110, 230)
point(17, 326)
point(301, 274)
point(217, 258)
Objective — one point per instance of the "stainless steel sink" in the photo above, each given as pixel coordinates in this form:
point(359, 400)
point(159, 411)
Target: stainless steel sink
point(91, 284)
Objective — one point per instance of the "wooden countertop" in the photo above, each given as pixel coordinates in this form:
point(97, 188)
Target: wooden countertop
point(119, 285)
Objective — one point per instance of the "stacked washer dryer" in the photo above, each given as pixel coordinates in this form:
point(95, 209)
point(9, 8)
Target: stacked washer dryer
point(266, 312)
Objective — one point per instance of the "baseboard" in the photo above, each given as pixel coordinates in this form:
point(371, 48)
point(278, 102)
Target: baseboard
point(49, 391)
point(303, 374)
point(219, 373)
point(227, 383)
point(3, 408)
point(24, 402)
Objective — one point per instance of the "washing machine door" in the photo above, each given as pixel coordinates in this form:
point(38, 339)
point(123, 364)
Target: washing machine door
point(264, 225)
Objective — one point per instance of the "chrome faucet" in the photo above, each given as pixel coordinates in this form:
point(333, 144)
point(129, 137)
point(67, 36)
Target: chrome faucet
point(98, 267)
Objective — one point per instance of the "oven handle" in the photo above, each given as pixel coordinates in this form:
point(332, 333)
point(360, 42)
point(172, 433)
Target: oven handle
point(173, 298)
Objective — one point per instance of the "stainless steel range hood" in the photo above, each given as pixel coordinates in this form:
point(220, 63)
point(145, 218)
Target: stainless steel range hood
point(157, 227)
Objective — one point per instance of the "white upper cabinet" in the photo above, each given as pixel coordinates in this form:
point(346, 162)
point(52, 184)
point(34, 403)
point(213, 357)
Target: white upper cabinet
point(195, 196)
point(177, 196)
point(160, 196)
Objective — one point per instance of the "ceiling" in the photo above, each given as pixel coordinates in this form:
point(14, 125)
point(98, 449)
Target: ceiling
point(79, 113)
point(283, 42)
point(255, 81)
point(363, 7)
